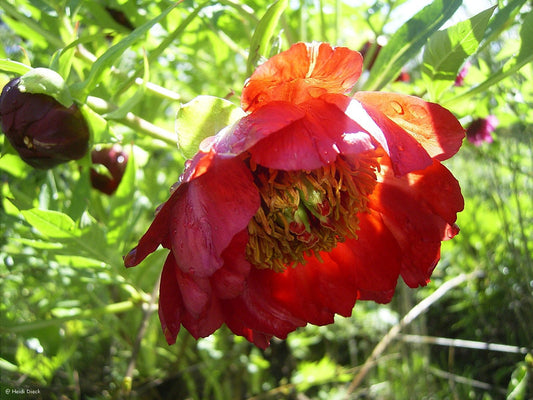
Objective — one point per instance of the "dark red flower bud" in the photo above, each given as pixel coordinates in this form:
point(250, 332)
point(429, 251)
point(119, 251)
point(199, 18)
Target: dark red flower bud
point(44, 132)
point(115, 160)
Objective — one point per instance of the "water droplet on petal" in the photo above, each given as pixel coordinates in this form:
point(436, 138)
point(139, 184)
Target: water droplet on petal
point(397, 107)
point(418, 111)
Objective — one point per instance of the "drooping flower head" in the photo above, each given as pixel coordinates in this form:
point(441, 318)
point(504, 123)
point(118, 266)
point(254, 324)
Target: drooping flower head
point(480, 130)
point(311, 201)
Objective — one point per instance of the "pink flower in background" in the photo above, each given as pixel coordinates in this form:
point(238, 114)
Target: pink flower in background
point(480, 130)
point(459, 80)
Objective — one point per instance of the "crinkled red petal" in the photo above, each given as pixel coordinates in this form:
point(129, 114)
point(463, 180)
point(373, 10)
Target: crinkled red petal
point(313, 141)
point(229, 281)
point(418, 218)
point(209, 213)
point(255, 127)
point(302, 72)
point(158, 232)
point(433, 126)
point(257, 311)
point(170, 301)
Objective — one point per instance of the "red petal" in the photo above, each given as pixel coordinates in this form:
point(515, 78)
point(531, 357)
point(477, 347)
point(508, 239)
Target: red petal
point(195, 292)
point(431, 125)
point(312, 141)
point(367, 267)
point(170, 302)
point(210, 212)
point(417, 219)
point(156, 233)
point(257, 310)
point(254, 127)
point(229, 281)
point(208, 322)
point(303, 71)
point(404, 151)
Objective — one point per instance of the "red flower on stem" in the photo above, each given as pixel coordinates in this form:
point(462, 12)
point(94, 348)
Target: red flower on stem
point(310, 202)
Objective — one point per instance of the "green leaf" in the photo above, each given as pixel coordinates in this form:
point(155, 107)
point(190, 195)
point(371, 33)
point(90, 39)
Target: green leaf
point(518, 384)
point(46, 81)
point(503, 18)
point(137, 97)
point(526, 45)
point(525, 56)
point(101, 131)
point(107, 59)
point(13, 164)
point(408, 40)
point(52, 224)
point(202, 117)
point(121, 204)
point(447, 50)
point(263, 34)
point(14, 66)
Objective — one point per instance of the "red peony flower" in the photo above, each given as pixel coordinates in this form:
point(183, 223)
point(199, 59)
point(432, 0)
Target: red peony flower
point(310, 202)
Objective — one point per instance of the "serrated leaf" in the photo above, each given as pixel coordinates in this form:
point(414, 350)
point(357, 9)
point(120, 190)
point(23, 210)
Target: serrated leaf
point(52, 224)
point(263, 33)
point(408, 40)
point(447, 50)
point(202, 117)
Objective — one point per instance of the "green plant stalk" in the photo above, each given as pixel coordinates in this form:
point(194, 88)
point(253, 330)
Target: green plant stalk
point(115, 308)
point(132, 121)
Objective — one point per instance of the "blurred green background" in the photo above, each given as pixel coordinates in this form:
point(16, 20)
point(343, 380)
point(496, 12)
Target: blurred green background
point(75, 324)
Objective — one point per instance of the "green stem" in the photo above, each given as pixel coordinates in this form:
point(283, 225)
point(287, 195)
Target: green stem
point(132, 121)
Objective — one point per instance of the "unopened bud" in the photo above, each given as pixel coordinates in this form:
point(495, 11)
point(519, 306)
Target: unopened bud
point(44, 132)
point(115, 160)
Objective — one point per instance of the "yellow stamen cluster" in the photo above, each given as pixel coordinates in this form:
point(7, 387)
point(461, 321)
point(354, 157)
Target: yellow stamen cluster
point(305, 212)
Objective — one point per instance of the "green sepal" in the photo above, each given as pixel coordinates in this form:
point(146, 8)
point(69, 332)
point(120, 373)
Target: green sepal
point(46, 81)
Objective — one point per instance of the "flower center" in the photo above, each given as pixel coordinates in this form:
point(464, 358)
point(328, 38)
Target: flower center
point(305, 212)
